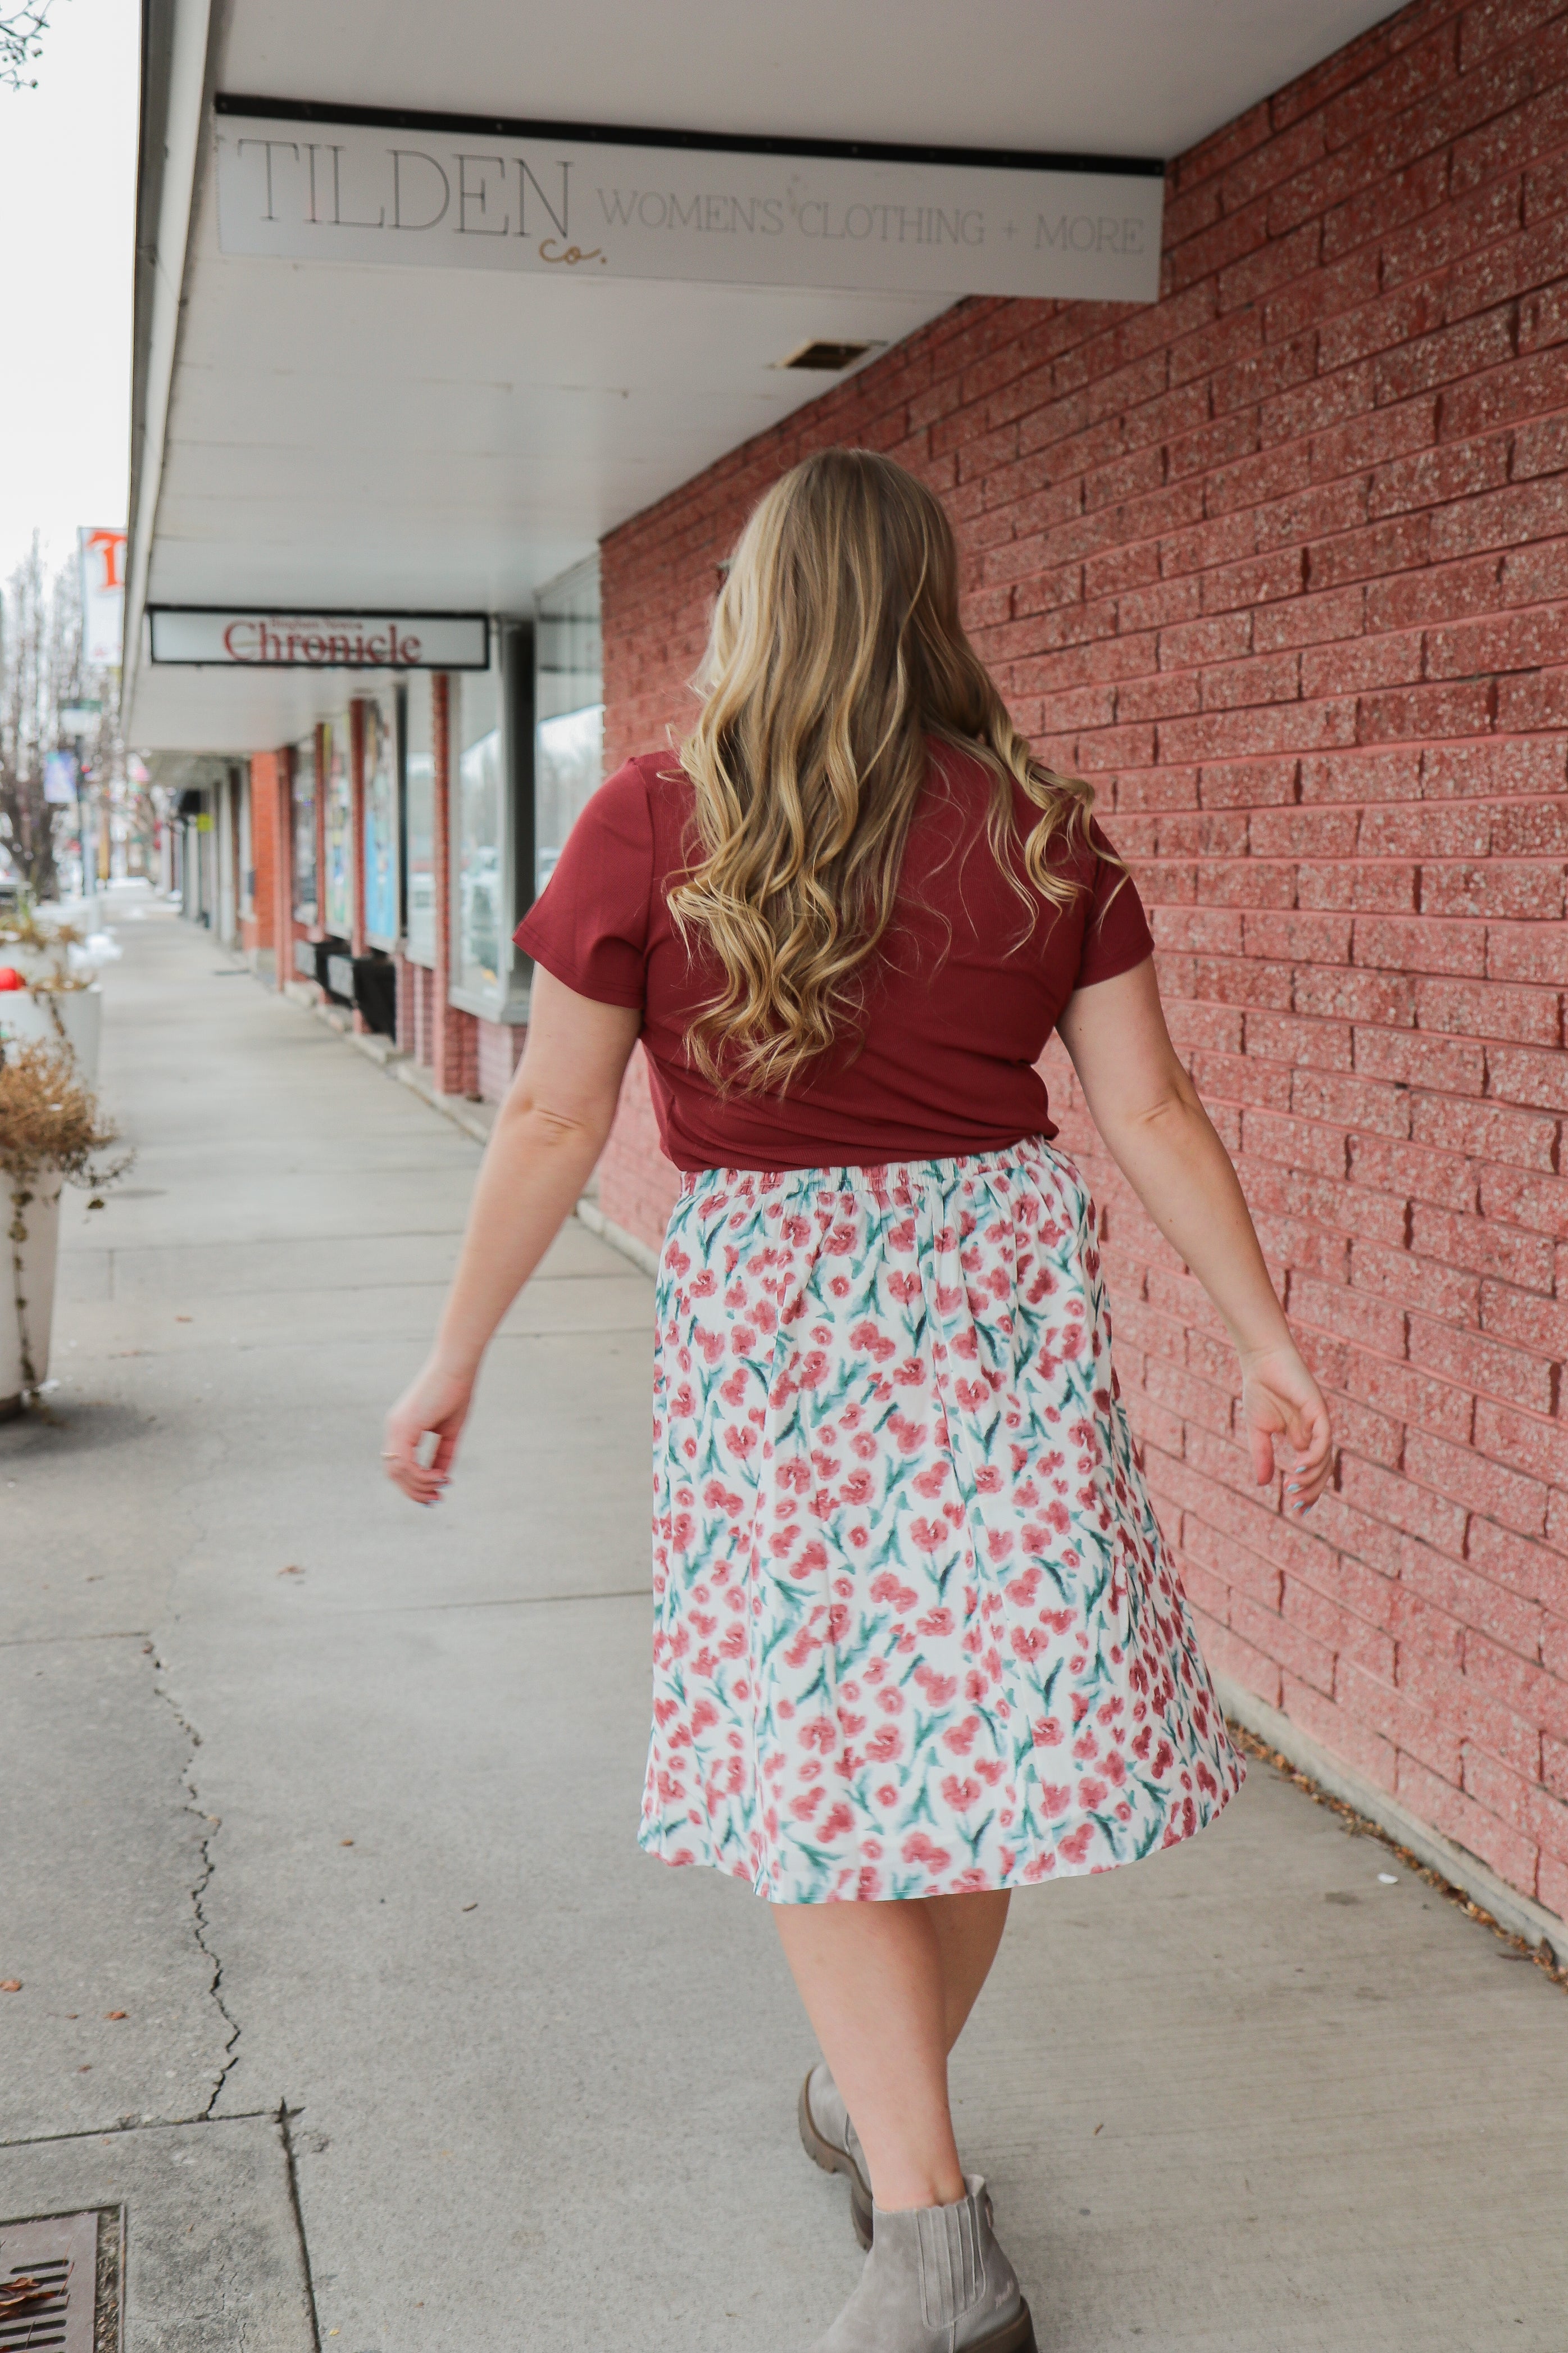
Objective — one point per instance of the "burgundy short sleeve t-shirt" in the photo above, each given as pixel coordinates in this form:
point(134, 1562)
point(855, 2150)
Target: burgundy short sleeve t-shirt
point(958, 1004)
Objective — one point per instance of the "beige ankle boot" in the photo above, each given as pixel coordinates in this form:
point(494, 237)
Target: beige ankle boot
point(935, 2282)
point(831, 2141)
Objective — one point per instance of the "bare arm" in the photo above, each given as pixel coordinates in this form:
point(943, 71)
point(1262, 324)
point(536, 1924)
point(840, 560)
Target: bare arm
point(1160, 1137)
point(548, 1135)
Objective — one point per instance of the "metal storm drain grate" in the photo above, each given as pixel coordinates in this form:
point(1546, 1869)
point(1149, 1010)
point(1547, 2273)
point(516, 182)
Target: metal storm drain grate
point(59, 2284)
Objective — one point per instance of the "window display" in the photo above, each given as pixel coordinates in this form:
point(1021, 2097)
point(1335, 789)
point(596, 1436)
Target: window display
point(419, 818)
point(569, 703)
point(302, 802)
point(338, 913)
point(479, 831)
point(381, 845)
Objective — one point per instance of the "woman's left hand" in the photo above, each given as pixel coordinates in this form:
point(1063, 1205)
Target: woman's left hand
point(1280, 1398)
point(435, 1404)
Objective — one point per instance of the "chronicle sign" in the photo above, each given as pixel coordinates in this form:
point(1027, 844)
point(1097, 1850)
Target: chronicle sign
point(242, 639)
point(599, 205)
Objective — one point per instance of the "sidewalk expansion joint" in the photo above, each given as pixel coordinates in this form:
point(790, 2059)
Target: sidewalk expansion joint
point(208, 1864)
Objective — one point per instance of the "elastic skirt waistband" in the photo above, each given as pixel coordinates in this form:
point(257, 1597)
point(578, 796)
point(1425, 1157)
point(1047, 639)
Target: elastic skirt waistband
point(886, 1180)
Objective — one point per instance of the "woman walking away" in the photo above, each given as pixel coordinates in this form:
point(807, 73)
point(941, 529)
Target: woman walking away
point(917, 1638)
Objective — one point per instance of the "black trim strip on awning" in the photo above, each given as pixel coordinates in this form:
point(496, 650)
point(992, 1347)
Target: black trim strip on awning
point(719, 142)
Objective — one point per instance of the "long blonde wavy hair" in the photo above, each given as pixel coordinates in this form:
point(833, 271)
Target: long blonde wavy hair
point(837, 656)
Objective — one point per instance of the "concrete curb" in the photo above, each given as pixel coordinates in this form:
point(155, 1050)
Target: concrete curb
point(1519, 1914)
point(592, 1216)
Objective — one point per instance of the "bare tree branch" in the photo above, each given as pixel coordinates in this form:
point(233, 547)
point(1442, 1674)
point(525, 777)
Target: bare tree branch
point(21, 43)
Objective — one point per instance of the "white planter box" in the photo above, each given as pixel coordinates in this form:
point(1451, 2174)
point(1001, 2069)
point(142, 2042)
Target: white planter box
point(27, 1273)
point(30, 1017)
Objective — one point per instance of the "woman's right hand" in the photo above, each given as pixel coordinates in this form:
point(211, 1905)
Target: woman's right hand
point(435, 1403)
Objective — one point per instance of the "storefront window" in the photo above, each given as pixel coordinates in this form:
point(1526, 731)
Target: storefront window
point(339, 896)
point(569, 705)
point(380, 823)
point(479, 831)
point(302, 796)
point(419, 789)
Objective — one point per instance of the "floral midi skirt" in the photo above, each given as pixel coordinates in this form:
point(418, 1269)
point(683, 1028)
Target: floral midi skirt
point(916, 1632)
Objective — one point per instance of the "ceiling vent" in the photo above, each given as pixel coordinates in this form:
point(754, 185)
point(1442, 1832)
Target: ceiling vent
point(829, 358)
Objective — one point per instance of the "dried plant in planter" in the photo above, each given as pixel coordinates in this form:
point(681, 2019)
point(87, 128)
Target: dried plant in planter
point(50, 1126)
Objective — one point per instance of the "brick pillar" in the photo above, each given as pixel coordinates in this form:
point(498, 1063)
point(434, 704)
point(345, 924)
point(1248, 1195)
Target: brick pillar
point(283, 866)
point(454, 1055)
point(258, 930)
point(318, 928)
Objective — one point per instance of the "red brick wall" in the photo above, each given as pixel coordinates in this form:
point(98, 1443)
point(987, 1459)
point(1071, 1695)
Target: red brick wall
point(1281, 563)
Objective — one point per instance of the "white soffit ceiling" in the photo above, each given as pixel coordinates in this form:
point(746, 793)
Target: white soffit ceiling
point(362, 436)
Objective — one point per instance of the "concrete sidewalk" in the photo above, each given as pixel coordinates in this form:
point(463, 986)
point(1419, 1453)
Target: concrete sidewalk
point(337, 1801)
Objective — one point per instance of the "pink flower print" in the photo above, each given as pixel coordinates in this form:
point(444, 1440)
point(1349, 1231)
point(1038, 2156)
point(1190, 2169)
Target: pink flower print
point(836, 1823)
point(886, 1587)
point(939, 1690)
point(930, 1483)
point(1114, 1768)
point(839, 1622)
point(839, 1286)
point(805, 1805)
point(856, 1489)
point(859, 1538)
point(733, 1391)
point(743, 1339)
point(998, 1543)
point(1092, 1794)
point(813, 1369)
point(901, 1237)
point(973, 1395)
point(948, 1298)
point(702, 1715)
point(971, 1880)
point(683, 1403)
point(1021, 1589)
point(988, 1480)
point(1165, 1757)
point(712, 1344)
point(890, 1701)
point(818, 1732)
point(929, 1535)
point(705, 1284)
point(991, 1769)
point(741, 1440)
point(1055, 1799)
point(1074, 1848)
point(960, 1737)
point(886, 1743)
point(1085, 1746)
point(904, 1288)
point(683, 1527)
point(800, 1648)
point(733, 1645)
point(909, 1436)
point(1028, 1641)
point(1080, 1703)
point(1141, 1741)
point(888, 1795)
point(1046, 1732)
point(936, 1621)
point(814, 1559)
point(918, 1848)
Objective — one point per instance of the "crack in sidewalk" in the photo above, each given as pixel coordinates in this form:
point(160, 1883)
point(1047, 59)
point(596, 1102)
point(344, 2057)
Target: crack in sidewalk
point(212, 1824)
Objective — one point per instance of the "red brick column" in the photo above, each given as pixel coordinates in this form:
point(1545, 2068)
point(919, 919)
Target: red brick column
point(356, 827)
point(283, 865)
point(258, 930)
point(454, 1043)
point(317, 930)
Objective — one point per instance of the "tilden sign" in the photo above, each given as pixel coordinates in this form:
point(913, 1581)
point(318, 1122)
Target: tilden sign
point(578, 201)
point(243, 638)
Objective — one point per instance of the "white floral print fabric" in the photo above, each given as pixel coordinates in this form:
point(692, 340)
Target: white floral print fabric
point(915, 1629)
